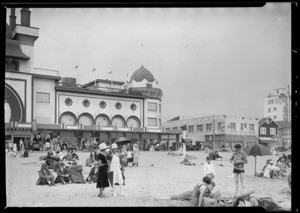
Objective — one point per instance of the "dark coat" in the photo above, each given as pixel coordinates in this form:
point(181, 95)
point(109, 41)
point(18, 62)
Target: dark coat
point(44, 174)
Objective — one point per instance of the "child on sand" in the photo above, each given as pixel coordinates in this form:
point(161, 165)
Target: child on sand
point(209, 169)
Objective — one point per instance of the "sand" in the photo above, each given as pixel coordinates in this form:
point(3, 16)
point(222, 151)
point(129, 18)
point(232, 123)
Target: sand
point(145, 185)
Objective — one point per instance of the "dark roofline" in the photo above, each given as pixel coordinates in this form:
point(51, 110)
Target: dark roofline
point(104, 81)
point(37, 75)
point(263, 120)
point(84, 90)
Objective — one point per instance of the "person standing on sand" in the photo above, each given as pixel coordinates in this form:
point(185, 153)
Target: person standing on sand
point(238, 159)
point(102, 181)
point(115, 167)
point(136, 154)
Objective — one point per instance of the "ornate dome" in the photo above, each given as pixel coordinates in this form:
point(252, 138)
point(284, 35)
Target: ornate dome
point(8, 32)
point(141, 74)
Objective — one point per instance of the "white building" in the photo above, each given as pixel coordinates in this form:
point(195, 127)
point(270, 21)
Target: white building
point(277, 105)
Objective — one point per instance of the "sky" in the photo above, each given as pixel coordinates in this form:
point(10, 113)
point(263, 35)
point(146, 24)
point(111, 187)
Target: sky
point(206, 60)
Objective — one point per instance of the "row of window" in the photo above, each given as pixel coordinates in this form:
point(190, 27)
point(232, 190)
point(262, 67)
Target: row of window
point(221, 127)
point(277, 101)
point(42, 97)
point(263, 131)
point(274, 109)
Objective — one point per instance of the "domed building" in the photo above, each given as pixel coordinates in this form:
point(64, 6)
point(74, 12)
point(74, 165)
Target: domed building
point(101, 110)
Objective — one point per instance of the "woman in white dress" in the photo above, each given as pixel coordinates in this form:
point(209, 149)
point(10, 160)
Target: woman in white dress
point(115, 167)
point(136, 154)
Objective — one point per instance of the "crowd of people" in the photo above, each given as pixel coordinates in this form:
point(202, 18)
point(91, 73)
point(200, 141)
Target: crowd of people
point(107, 167)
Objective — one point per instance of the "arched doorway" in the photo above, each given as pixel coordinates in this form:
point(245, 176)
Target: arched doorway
point(102, 120)
point(133, 121)
point(86, 119)
point(13, 105)
point(118, 121)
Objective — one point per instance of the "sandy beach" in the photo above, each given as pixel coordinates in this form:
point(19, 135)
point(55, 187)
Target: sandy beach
point(145, 185)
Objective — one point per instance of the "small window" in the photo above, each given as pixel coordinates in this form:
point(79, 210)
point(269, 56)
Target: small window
point(118, 105)
point(251, 127)
point(269, 109)
point(274, 109)
point(133, 107)
point(272, 131)
point(42, 97)
point(152, 122)
point(152, 106)
point(68, 101)
point(263, 130)
point(232, 126)
point(191, 128)
point(208, 127)
point(275, 116)
point(245, 125)
point(200, 128)
point(102, 104)
point(86, 103)
point(174, 127)
point(242, 127)
point(160, 108)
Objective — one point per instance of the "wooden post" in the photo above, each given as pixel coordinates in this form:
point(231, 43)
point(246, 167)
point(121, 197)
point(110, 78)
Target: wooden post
point(255, 166)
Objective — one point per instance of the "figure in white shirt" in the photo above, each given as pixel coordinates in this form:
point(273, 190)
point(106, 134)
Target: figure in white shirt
point(271, 170)
point(209, 169)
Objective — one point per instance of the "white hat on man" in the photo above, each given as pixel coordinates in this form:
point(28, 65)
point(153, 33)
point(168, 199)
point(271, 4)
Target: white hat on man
point(103, 146)
point(114, 146)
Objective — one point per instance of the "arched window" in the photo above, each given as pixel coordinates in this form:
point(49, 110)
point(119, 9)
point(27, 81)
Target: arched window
point(118, 121)
point(68, 118)
point(102, 120)
point(86, 119)
point(133, 121)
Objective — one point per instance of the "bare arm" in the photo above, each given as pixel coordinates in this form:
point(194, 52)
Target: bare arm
point(202, 190)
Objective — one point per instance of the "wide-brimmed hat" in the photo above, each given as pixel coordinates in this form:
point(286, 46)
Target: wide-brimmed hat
point(135, 145)
point(114, 146)
point(103, 146)
point(271, 162)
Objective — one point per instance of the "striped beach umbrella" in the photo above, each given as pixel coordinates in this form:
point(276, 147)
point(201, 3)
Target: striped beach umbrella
point(257, 150)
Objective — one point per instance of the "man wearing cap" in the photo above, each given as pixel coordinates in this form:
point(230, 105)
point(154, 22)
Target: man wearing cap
point(102, 181)
point(115, 167)
point(45, 176)
point(238, 159)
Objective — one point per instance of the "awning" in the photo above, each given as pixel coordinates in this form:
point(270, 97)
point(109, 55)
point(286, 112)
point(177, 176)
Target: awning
point(267, 140)
point(187, 140)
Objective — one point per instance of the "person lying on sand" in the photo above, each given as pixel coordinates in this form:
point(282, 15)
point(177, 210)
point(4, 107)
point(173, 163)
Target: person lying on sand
point(187, 162)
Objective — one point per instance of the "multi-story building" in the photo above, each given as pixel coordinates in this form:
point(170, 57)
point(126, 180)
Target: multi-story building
point(39, 101)
point(218, 130)
point(277, 105)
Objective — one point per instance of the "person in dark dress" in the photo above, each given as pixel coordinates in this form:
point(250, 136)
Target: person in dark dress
point(102, 181)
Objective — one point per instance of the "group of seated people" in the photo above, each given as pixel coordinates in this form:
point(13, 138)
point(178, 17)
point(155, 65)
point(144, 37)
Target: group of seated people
point(279, 170)
point(66, 173)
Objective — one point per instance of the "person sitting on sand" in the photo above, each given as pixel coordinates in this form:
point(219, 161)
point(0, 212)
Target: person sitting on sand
point(75, 172)
point(282, 167)
point(201, 194)
point(93, 175)
point(45, 176)
point(62, 174)
point(271, 170)
point(90, 160)
point(209, 169)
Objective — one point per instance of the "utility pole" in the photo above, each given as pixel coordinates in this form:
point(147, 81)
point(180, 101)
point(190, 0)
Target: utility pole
point(213, 145)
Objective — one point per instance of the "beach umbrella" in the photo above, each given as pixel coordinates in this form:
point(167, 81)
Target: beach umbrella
point(257, 150)
point(122, 141)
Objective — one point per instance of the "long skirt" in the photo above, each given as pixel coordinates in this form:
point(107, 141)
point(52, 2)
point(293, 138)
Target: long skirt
point(117, 175)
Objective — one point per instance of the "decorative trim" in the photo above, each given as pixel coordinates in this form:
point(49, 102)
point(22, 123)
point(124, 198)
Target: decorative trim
point(68, 101)
point(133, 106)
point(86, 103)
point(102, 104)
point(118, 105)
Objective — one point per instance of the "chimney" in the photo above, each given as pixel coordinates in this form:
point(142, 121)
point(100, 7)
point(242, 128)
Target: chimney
point(12, 18)
point(25, 17)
